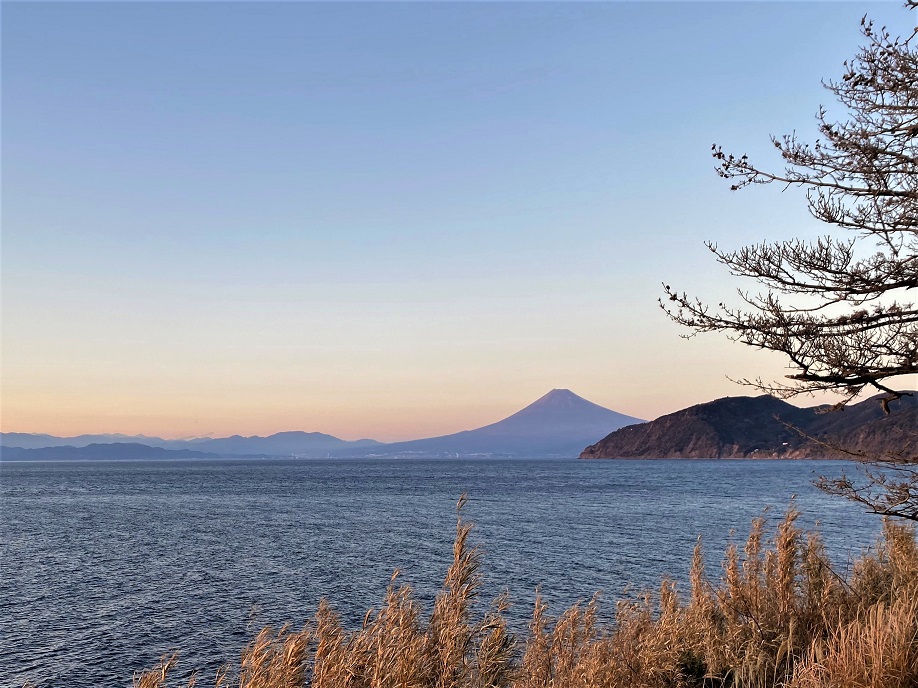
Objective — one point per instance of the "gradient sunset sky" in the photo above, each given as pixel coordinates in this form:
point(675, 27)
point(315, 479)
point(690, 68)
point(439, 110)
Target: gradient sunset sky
point(386, 220)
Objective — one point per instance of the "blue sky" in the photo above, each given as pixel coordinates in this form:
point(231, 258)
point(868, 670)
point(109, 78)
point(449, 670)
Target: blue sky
point(384, 219)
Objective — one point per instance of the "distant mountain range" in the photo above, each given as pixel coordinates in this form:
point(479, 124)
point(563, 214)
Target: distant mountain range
point(294, 443)
point(279, 444)
point(25, 440)
point(558, 424)
point(752, 427)
point(122, 451)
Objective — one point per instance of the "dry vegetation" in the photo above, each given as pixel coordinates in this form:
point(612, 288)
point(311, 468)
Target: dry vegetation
point(779, 615)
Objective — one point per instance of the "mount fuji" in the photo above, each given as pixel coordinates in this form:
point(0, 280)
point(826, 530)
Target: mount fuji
point(559, 424)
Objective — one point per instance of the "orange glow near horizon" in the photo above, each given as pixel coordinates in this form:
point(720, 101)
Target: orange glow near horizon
point(385, 412)
point(383, 424)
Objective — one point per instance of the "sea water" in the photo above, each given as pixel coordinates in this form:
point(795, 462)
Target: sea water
point(105, 566)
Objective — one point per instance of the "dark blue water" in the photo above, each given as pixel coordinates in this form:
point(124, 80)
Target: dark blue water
point(106, 566)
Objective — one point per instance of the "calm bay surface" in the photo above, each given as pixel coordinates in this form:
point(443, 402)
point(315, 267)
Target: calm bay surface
point(105, 566)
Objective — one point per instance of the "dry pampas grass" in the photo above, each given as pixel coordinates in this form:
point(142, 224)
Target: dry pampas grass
point(778, 615)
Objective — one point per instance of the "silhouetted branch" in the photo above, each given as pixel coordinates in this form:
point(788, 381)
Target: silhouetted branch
point(839, 309)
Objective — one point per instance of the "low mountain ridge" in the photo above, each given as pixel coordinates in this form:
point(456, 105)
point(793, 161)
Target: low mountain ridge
point(27, 440)
point(293, 443)
point(764, 427)
point(121, 451)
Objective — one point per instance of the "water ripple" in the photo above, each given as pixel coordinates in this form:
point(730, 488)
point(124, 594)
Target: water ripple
point(106, 566)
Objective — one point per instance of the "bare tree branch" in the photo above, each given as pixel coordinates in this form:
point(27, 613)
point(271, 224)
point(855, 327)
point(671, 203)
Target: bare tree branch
point(839, 309)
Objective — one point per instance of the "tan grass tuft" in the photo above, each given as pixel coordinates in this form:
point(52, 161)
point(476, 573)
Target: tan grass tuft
point(778, 616)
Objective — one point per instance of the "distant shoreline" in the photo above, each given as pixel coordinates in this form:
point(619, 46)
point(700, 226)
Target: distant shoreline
point(366, 459)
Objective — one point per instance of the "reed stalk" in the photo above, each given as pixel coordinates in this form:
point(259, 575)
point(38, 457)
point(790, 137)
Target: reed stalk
point(778, 616)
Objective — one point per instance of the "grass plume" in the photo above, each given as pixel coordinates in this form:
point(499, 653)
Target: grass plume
point(777, 616)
